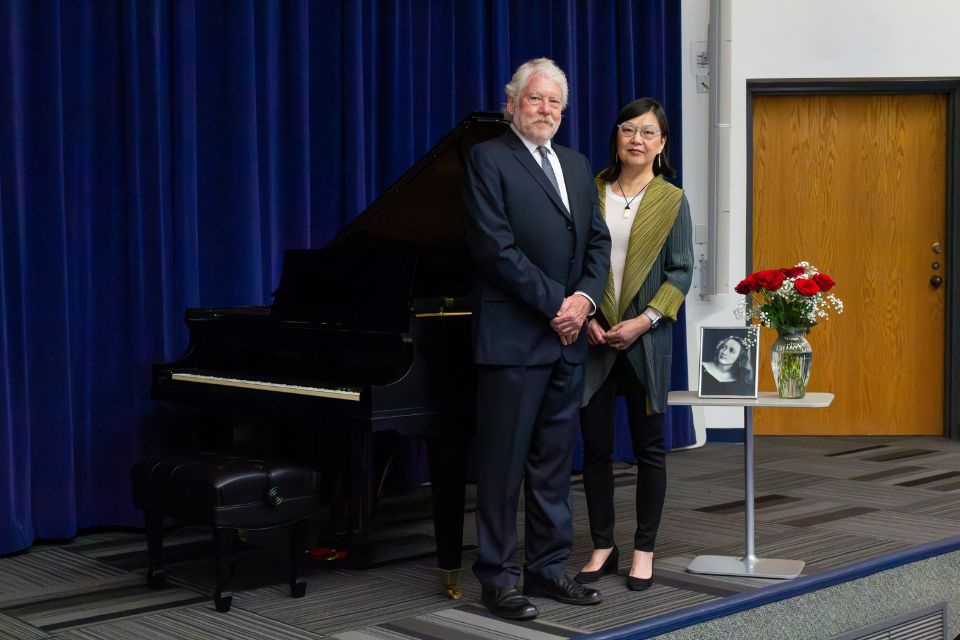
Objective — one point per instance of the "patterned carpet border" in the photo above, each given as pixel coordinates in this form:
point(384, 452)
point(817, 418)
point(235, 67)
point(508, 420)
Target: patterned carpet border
point(678, 619)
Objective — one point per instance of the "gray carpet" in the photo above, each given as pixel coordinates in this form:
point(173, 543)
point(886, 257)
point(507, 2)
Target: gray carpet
point(829, 501)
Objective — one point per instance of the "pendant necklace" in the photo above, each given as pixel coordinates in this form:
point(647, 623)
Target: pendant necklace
point(626, 209)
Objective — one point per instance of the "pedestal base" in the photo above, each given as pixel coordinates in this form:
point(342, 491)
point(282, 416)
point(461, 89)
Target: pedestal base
point(757, 568)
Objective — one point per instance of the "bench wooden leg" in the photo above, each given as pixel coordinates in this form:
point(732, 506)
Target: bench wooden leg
point(298, 584)
point(222, 547)
point(154, 523)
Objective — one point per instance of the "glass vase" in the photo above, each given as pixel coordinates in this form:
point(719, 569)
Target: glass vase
point(791, 358)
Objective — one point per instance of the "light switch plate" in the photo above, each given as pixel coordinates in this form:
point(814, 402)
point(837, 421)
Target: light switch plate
point(700, 234)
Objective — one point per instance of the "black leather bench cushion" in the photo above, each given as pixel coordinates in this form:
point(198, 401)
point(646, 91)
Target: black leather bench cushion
point(226, 491)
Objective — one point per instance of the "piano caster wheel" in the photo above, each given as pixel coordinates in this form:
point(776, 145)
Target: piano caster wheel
point(453, 593)
point(450, 581)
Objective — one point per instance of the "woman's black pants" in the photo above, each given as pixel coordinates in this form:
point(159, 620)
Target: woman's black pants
point(646, 432)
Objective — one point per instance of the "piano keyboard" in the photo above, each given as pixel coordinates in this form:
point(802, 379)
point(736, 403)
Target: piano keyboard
point(264, 385)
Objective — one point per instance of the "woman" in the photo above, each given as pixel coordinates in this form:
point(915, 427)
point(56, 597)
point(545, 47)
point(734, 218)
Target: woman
point(651, 266)
point(730, 372)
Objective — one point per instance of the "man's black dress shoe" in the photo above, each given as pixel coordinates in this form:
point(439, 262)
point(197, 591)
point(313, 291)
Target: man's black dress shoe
point(561, 589)
point(508, 603)
point(610, 565)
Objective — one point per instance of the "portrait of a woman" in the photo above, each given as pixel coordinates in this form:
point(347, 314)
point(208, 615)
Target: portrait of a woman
point(727, 363)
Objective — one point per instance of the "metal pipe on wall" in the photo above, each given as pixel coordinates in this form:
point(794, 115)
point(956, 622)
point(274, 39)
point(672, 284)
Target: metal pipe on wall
point(709, 271)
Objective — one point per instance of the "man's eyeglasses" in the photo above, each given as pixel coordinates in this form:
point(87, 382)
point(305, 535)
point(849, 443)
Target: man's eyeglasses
point(628, 130)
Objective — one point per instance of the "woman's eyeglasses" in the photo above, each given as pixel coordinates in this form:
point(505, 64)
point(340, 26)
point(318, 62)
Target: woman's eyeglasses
point(628, 130)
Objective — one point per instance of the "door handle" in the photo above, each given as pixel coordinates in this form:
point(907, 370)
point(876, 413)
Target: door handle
point(936, 281)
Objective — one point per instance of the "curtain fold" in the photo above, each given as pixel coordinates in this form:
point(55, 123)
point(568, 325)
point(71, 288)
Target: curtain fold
point(157, 155)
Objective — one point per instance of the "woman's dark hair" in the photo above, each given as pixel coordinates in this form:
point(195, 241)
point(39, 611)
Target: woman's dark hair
point(637, 108)
point(743, 367)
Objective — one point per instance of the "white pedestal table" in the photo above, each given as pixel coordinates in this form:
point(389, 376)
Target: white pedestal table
point(749, 564)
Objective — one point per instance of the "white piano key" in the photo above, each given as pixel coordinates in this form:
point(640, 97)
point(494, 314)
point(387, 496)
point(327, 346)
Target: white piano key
point(276, 387)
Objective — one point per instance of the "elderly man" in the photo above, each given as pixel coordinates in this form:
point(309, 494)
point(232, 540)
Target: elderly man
point(541, 253)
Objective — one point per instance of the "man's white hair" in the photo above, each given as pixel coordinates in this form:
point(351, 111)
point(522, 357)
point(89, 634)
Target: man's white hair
point(544, 67)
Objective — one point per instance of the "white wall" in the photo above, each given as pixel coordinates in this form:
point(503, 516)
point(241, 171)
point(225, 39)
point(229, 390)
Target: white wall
point(790, 39)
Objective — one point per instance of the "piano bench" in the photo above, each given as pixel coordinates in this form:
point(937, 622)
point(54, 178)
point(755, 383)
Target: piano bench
point(228, 493)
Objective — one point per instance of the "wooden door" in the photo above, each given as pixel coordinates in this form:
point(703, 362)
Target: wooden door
point(855, 185)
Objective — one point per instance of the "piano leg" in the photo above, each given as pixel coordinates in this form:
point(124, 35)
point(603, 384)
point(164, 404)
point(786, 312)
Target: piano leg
point(447, 459)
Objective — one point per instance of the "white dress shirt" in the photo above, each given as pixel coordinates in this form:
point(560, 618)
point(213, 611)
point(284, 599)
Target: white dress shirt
point(554, 162)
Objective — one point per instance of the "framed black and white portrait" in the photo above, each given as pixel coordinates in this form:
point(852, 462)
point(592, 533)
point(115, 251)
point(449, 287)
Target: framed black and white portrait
point(729, 357)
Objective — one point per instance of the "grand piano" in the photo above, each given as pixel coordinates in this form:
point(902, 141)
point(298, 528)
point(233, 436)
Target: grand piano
point(370, 334)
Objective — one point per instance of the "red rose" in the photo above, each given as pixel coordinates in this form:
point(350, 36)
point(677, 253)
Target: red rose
point(806, 286)
point(793, 272)
point(824, 281)
point(769, 279)
point(748, 285)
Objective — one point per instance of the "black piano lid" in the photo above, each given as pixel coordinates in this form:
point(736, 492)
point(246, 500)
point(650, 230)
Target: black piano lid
point(407, 245)
point(422, 208)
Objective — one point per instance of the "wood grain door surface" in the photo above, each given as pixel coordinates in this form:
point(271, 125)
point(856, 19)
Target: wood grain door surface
point(855, 184)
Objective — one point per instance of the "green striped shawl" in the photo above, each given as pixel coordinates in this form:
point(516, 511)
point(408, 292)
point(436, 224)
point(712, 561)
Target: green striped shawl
point(651, 226)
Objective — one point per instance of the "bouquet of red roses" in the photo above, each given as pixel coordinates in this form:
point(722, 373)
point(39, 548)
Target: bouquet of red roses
point(790, 299)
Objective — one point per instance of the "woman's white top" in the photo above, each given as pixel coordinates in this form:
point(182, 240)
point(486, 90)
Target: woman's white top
point(619, 221)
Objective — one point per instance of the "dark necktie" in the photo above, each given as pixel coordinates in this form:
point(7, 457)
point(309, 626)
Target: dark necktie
point(548, 168)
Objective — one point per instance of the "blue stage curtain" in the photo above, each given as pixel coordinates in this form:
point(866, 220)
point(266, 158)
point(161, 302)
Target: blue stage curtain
point(158, 155)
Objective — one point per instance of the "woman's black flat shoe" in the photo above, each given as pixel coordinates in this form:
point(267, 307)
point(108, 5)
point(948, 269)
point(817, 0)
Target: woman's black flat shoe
point(610, 566)
point(639, 584)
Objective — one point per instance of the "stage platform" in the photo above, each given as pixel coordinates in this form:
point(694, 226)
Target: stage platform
point(876, 520)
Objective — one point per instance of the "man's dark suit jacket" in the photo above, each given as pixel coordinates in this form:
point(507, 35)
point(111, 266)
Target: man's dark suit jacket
point(529, 252)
